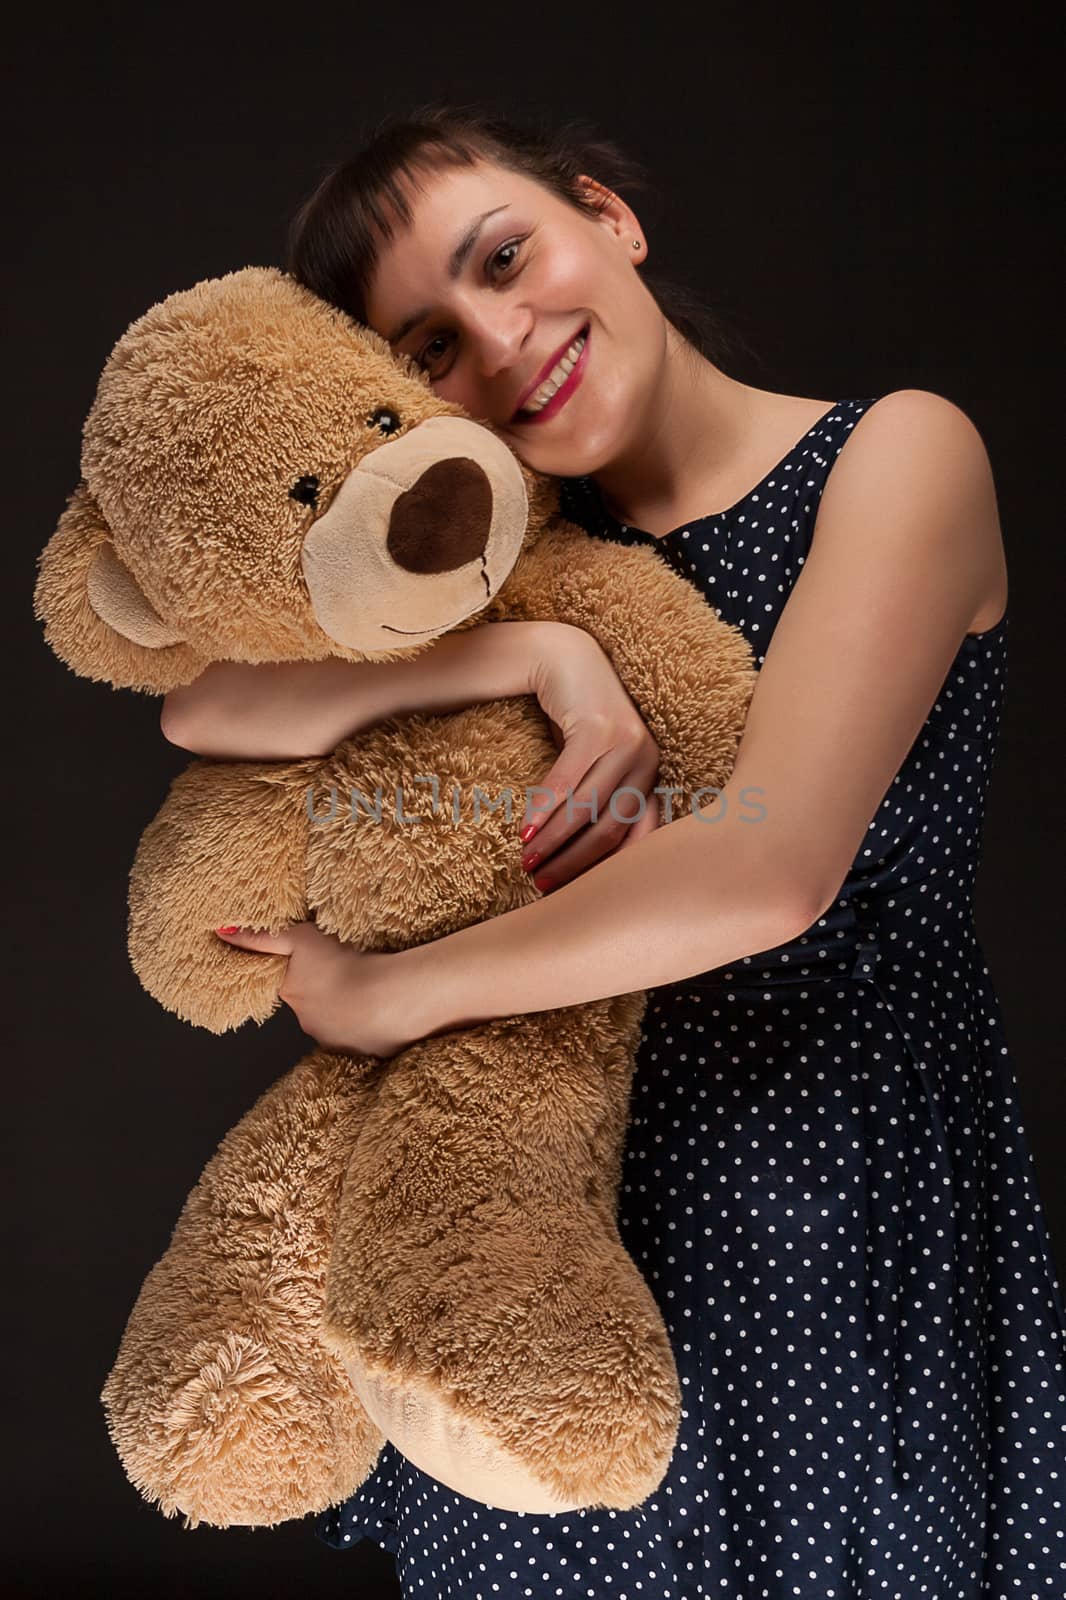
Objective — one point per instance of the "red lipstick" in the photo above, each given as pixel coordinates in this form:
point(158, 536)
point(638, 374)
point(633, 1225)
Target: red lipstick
point(566, 389)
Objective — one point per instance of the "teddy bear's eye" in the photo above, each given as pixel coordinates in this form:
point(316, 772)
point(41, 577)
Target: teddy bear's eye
point(385, 420)
point(305, 490)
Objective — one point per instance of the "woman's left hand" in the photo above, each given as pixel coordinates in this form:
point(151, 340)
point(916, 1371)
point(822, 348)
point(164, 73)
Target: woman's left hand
point(345, 999)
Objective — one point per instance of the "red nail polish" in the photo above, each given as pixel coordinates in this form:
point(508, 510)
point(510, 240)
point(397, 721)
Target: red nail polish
point(528, 831)
point(530, 861)
point(234, 929)
point(542, 883)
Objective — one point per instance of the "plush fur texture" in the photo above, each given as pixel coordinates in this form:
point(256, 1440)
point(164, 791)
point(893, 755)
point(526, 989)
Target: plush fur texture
point(423, 1249)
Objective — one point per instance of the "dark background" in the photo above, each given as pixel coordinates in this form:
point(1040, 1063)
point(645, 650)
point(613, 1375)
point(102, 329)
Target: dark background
point(866, 193)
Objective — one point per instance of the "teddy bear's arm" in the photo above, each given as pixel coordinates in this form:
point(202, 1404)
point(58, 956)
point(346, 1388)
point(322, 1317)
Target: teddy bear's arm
point(690, 674)
point(228, 845)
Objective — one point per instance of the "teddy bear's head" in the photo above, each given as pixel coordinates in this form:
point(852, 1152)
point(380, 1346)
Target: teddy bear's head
point(263, 480)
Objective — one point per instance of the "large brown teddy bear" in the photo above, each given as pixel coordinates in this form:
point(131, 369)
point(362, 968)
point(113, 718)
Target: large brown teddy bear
point(422, 1249)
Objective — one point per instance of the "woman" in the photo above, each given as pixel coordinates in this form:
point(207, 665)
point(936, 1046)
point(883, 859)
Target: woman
point(826, 1183)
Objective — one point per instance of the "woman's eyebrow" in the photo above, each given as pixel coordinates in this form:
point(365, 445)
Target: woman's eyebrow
point(456, 262)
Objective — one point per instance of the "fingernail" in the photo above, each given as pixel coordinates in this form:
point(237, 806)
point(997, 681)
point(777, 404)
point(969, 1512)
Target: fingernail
point(528, 831)
point(234, 929)
point(542, 883)
point(530, 861)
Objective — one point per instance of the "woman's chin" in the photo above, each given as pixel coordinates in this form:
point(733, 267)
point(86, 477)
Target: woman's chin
point(560, 456)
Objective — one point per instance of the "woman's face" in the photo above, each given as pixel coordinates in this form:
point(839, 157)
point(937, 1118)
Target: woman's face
point(496, 282)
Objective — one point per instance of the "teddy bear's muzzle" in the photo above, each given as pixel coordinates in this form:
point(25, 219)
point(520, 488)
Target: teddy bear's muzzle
point(421, 534)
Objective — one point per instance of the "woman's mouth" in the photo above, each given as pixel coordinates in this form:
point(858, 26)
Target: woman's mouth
point(557, 388)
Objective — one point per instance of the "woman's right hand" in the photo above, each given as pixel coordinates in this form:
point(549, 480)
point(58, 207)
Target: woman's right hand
point(605, 747)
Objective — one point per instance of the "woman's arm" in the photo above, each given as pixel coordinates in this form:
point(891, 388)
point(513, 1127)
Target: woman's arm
point(907, 553)
point(285, 711)
point(291, 711)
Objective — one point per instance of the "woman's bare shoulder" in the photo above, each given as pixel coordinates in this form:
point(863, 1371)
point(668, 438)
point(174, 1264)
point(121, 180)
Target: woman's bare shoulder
point(922, 446)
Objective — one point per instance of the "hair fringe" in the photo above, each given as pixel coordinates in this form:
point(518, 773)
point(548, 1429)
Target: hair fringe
point(335, 233)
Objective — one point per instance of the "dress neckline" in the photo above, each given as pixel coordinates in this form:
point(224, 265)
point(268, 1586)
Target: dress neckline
point(715, 516)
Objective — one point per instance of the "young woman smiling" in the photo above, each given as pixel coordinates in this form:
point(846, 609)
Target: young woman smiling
point(822, 1090)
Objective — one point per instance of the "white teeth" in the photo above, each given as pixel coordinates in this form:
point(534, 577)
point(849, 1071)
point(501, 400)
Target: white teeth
point(557, 377)
point(547, 389)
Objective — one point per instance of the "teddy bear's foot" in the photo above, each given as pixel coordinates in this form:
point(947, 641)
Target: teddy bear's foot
point(240, 1442)
point(550, 1470)
point(223, 1403)
point(453, 1450)
point(524, 1363)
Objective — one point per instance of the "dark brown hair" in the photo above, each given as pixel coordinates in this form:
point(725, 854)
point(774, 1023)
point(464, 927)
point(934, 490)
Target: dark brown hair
point(333, 238)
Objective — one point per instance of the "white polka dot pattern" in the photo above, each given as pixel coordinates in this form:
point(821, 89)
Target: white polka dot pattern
point(828, 1188)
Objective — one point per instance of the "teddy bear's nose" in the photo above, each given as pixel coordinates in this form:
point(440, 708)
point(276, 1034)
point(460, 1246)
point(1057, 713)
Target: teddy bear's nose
point(443, 520)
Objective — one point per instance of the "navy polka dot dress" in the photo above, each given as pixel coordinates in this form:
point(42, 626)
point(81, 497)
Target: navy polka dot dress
point(828, 1188)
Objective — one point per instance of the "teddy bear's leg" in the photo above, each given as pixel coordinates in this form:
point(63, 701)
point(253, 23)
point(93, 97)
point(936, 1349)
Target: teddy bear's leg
point(478, 1291)
point(222, 1403)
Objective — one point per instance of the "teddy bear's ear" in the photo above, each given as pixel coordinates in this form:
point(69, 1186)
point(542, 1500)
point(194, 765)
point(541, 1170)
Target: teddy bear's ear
point(96, 617)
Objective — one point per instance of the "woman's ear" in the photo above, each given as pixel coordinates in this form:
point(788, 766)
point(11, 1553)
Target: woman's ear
point(96, 616)
point(597, 192)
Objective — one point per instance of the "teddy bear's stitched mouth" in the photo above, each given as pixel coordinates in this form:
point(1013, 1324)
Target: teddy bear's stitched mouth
point(443, 628)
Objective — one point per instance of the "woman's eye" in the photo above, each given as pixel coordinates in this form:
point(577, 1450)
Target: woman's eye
point(513, 244)
point(428, 353)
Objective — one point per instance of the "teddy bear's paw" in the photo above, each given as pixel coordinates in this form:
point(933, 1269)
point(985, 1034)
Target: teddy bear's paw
point(242, 1441)
point(216, 986)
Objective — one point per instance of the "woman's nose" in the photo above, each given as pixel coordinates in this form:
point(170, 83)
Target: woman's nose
point(498, 340)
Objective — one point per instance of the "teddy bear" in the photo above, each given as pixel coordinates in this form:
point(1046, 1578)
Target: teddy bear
point(422, 1249)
